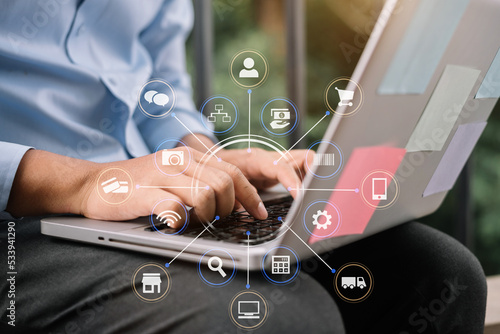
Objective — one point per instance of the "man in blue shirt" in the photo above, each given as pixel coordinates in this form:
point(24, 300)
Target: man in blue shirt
point(70, 74)
point(71, 71)
point(70, 87)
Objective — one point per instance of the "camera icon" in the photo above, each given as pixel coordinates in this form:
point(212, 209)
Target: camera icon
point(172, 158)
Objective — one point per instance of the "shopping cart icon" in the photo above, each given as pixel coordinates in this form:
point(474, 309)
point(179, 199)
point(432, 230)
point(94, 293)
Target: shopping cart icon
point(345, 95)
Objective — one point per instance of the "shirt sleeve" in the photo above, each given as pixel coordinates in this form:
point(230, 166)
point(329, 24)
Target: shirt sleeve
point(165, 40)
point(10, 158)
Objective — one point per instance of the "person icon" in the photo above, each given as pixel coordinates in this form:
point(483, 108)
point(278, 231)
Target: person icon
point(249, 71)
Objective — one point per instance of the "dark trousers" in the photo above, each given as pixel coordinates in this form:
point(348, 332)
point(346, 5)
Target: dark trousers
point(426, 282)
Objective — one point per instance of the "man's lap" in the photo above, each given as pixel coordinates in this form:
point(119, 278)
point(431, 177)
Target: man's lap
point(64, 286)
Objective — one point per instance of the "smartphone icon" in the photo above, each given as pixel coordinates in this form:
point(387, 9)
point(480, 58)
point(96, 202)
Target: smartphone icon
point(379, 188)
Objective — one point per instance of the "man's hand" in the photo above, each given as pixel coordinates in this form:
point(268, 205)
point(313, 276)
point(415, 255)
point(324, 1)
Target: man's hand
point(258, 165)
point(48, 183)
point(219, 185)
point(260, 169)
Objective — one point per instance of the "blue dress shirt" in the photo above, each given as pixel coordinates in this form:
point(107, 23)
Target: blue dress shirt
point(71, 72)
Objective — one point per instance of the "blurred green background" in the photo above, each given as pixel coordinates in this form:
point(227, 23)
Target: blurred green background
point(336, 33)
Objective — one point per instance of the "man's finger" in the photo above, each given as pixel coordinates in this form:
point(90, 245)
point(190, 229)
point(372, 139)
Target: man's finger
point(281, 170)
point(245, 193)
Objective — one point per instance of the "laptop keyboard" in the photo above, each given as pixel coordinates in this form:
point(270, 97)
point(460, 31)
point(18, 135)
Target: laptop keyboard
point(233, 228)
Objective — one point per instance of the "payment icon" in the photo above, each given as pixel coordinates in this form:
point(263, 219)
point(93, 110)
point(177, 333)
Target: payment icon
point(114, 186)
point(280, 118)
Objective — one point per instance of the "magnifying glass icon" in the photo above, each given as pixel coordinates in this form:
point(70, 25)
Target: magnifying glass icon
point(218, 267)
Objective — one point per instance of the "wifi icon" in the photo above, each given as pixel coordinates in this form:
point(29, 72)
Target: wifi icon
point(168, 217)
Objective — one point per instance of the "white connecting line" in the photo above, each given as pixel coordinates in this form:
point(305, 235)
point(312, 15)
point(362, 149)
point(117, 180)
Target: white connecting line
point(313, 189)
point(305, 243)
point(248, 260)
point(169, 187)
point(302, 137)
point(189, 244)
point(249, 119)
point(202, 143)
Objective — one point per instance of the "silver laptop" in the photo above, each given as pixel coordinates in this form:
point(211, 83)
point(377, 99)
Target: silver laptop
point(377, 168)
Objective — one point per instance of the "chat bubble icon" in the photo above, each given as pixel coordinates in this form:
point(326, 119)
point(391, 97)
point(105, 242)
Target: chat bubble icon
point(160, 99)
point(149, 95)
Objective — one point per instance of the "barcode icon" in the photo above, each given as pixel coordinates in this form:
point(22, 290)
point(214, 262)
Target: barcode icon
point(327, 159)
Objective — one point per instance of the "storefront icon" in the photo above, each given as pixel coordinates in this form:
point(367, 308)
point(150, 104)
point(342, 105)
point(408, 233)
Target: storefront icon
point(150, 281)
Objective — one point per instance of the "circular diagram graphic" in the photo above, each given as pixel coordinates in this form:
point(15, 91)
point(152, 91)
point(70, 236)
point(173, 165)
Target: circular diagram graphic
point(353, 282)
point(151, 282)
point(243, 142)
point(248, 310)
point(343, 96)
point(157, 98)
point(249, 69)
point(114, 186)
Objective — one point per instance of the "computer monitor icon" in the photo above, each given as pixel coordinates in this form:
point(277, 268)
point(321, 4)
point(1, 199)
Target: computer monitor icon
point(379, 188)
point(249, 309)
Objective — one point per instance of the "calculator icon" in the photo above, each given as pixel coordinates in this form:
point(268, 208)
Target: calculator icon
point(280, 264)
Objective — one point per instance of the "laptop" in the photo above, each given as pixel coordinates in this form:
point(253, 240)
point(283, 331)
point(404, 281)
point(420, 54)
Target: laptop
point(383, 180)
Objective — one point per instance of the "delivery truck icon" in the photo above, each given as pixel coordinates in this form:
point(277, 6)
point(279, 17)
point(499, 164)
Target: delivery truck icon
point(351, 282)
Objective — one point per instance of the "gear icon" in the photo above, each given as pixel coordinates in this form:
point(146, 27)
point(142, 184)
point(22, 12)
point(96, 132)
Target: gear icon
point(327, 221)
